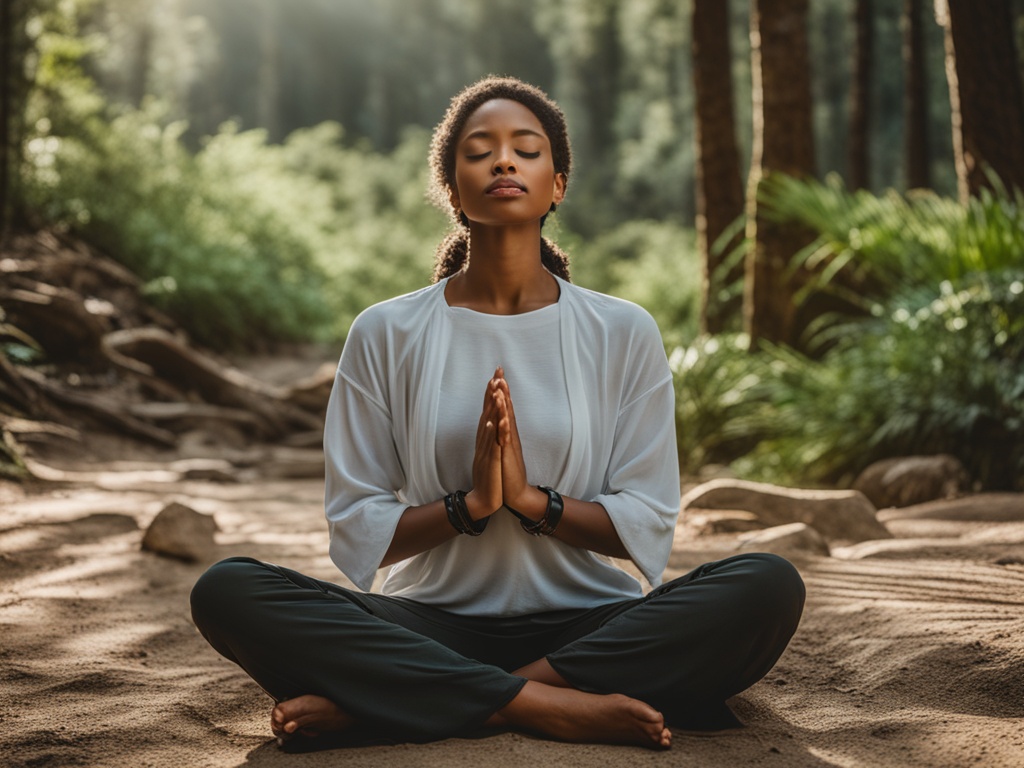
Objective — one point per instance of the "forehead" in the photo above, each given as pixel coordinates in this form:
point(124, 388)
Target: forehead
point(501, 115)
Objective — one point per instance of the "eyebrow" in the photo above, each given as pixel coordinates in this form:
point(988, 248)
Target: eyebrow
point(482, 134)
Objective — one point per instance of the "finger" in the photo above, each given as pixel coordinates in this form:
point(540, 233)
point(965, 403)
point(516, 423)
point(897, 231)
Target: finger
point(510, 409)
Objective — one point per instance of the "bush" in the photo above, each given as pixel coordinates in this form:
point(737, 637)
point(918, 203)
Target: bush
point(937, 364)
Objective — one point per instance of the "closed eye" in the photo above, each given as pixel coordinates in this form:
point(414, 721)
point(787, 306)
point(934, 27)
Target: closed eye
point(528, 155)
point(477, 157)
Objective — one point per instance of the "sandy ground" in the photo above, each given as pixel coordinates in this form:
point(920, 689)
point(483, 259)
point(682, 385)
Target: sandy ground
point(911, 652)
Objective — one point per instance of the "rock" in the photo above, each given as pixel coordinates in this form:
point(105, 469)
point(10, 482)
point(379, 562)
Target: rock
point(839, 516)
point(909, 480)
point(708, 522)
point(181, 532)
point(793, 540)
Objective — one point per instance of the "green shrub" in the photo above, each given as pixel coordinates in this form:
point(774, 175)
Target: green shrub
point(936, 364)
point(652, 263)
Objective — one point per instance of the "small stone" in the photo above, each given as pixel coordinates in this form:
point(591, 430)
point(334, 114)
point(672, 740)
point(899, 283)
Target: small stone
point(839, 516)
point(181, 532)
point(909, 480)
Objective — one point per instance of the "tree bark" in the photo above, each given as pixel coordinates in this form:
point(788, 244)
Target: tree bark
point(719, 183)
point(783, 143)
point(985, 93)
point(915, 99)
point(6, 108)
point(858, 161)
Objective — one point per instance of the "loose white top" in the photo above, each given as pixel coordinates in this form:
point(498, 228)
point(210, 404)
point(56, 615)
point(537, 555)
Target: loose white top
point(594, 402)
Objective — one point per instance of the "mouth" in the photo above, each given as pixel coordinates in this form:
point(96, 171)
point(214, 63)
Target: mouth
point(505, 188)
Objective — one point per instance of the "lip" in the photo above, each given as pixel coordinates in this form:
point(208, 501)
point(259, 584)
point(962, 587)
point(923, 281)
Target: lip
point(505, 188)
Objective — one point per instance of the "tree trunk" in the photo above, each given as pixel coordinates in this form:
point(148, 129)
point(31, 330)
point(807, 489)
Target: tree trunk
point(915, 99)
point(858, 164)
point(783, 143)
point(6, 109)
point(985, 93)
point(719, 184)
point(268, 77)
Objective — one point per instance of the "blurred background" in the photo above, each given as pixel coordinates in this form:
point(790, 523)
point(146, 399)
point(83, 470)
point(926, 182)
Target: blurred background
point(806, 194)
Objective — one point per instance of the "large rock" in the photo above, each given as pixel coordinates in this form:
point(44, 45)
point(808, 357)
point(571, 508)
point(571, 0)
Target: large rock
point(839, 516)
point(909, 480)
point(793, 540)
point(181, 532)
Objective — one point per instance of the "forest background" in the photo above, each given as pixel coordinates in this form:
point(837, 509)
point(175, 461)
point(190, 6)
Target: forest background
point(262, 166)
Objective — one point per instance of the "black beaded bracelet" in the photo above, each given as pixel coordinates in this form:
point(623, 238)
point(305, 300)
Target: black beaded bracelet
point(459, 517)
point(552, 515)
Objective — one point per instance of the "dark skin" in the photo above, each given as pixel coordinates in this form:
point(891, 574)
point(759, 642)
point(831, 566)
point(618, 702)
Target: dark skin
point(505, 183)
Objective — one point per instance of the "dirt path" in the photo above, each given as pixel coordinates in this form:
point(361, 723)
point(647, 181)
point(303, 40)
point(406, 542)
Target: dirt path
point(911, 657)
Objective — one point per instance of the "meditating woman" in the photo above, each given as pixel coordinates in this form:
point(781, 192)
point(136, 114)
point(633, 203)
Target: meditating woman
point(493, 440)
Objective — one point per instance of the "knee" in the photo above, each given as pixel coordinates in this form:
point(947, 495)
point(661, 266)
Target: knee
point(774, 585)
point(221, 587)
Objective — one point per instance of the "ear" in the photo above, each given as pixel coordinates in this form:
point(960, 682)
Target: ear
point(558, 193)
point(453, 198)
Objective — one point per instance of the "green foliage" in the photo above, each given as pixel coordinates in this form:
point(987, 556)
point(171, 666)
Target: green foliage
point(892, 242)
point(722, 409)
point(215, 250)
point(936, 365)
point(652, 263)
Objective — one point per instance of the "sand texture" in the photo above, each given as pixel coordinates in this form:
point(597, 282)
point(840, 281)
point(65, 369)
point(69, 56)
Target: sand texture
point(911, 650)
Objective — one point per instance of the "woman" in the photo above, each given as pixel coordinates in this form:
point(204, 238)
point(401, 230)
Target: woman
point(501, 608)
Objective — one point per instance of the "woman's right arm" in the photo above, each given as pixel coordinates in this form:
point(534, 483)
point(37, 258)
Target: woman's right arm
point(424, 527)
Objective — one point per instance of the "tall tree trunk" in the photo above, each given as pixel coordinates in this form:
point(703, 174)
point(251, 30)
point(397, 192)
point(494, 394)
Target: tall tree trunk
point(915, 99)
point(138, 80)
point(858, 164)
point(269, 96)
point(783, 143)
point(6, 109)
point(719, 183)
point(985, 93)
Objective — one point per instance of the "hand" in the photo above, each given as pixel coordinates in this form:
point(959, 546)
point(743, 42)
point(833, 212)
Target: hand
point(516, 491)
point(486, 496)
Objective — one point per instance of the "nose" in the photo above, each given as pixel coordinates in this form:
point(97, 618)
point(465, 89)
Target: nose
point(503, 162)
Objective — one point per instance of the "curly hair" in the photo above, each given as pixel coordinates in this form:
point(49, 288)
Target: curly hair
point(453, 252)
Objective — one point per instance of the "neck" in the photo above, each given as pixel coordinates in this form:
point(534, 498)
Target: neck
point(504, 275)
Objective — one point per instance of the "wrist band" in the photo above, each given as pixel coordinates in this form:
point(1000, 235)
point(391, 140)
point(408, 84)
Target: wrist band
point(459, 517)
point(552, 515)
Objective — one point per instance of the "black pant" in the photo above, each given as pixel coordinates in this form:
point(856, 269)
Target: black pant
point(419, 673)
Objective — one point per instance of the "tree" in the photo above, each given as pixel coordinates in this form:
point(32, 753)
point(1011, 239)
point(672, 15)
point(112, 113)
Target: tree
point(860, 96)
point(718, 181)
point(8, 66)
point(915, 99)
point(985, 93)
point(783, 143)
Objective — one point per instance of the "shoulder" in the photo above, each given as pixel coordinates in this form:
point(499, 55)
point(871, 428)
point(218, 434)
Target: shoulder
point(382, 334)
point(398, 313)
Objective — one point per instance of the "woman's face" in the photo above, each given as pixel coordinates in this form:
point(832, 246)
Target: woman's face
point(504, 170)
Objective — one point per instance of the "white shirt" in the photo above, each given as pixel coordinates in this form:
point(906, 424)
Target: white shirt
point(611, 440)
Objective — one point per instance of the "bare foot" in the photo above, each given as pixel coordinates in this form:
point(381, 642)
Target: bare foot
point(572, 715)
point(308, 715)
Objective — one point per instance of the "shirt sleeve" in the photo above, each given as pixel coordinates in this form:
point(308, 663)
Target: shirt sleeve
point(642, 486)
point(363, 471)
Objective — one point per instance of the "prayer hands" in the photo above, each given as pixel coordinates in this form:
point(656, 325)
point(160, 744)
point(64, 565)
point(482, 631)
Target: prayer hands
point(515, 490)
point(499, 471)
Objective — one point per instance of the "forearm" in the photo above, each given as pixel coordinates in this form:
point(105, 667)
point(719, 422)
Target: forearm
point(584, 524)
point(426, 526)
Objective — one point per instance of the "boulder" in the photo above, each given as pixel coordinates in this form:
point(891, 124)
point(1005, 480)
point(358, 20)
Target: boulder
point(909, 480)
point(793, 540)
point(839, 516)
point(181, 532)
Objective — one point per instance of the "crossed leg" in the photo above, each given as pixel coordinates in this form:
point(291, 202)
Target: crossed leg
point(712, 633)
point(549, 706)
